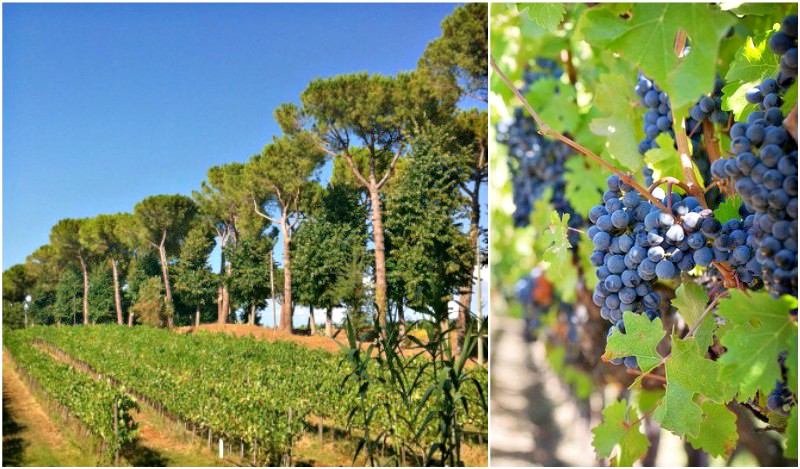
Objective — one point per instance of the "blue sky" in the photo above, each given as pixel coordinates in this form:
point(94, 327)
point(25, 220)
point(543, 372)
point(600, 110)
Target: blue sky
point(106, 104)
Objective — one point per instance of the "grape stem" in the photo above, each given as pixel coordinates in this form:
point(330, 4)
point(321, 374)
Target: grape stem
point(667, 179)
point(545, 129)
point(710, 141)
point(694, 188)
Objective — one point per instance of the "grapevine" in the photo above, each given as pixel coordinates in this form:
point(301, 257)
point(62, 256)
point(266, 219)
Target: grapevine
point(695, 271)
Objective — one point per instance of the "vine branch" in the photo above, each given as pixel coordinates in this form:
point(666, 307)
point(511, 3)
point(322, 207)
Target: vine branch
point(545, 129)
point(694, 188)
point(668, 179)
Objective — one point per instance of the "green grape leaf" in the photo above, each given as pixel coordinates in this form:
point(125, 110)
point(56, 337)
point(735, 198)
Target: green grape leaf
point(555, 104)
point(548, 15)
point(615, 98)
point(557, 252)
point(754, 9)
point(665, 160)
point(791, 435)
point(616, 430)
point(789, 99)
point(729, 209)
point(641, 339)
point(599, 26)
point(585, 249)
point(753, 63)
point(586, 183)
point(791, 366)
point(761, 328)
point(648, 399)
point(690, 301)
point(688, 373)
point(718, 434)
point(649, 42)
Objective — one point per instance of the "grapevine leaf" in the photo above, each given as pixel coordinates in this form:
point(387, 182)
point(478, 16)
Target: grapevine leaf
point(548, 15)
point(648, 399)
point(690, 301)
point(616, 430)
point(584, 252)
point(729, 209)
point(789, 99)
point(665, 160)
point(555, 104)
point(754, 9)
point(599, 26)
point(761, 328)
point(649, 40)
point(616, 99)
point(753, 63)
point(688, 373)
point(718, 434)
point(791, 366)
point(585, 183)
point(640, 340)
point(791, 435)
point(733, 99)
point(555, 238)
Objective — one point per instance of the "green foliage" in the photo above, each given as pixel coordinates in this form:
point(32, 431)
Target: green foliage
point(619, 430)
point(753, 63)
point(69, 297)
point(548, 15)
point(640, 340)
point(101, 294)
point(619, 125)
point(431, 255)
point(163, 220)
point(150, 306)
point(760, 329)
point(729, 209)
point(16, 283)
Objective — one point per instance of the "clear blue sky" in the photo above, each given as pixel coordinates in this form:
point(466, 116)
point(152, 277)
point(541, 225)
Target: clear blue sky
point(104, 105)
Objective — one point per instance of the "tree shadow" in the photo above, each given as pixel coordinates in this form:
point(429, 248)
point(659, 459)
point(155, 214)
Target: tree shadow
point(139, 455)
point(13, 445)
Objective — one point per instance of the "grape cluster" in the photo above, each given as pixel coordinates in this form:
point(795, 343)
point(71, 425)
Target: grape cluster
point(658, 118)
point(780, 399)
point(784, 43)
point(764, 171)
point(536, 163)
point(710, 107)
point(732, 243)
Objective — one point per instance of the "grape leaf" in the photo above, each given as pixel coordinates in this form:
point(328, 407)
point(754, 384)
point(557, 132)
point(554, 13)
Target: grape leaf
point(665, 160)
point(753, 63)
point(791, 366)
point(688, 373)
point(585, 250)
point(648, 399)
point(733, 99)
point(756, 9)
point(585, 183)
point(640, 340)
point(615, 98)
point(690, 301)
point(548, 15)
point(729, 209)
point(616, 430)
point(557, 252)
point(789, 99)
point(649, 41)
point(599, 26)
point(555, 104)
point(761, 328)
point(718, 434)
point(791, 435)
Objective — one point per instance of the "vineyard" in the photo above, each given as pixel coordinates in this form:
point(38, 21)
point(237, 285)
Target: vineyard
point(644, 223)
point(252, 398)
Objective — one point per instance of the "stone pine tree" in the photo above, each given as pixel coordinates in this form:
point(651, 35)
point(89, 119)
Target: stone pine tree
point(367, 112)
point(456, 61)
point(17, 285)
point(162, 222)
point(279, 182)
point(222, 202)
point(103, 235)
point(430, 251)
point(66, 241)
point(194, 281)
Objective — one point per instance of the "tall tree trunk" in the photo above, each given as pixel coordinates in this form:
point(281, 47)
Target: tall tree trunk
point(222, 316)
point(465, 293)
point(85, 272)
point(286, 308)
point(329, 321)
point(380, 255)
point(312, 323)
point(401, 316)
point(162, 252)
point(117, 297)
point(130, 318)
point(226, 296)
point(197, 319)
point(252, 318)
point(272, 287)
